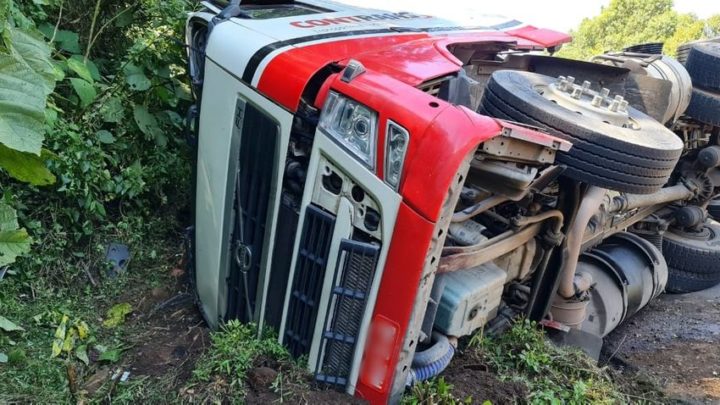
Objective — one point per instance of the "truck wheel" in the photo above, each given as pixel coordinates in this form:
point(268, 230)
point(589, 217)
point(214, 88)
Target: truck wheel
point(703, 64)
point(693, 259)
point(713, 208)
point(704, 107)
point(622, 150)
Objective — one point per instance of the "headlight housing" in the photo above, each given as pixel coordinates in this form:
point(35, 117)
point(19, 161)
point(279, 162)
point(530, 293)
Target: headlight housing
point(353, 125)
point(396, 143)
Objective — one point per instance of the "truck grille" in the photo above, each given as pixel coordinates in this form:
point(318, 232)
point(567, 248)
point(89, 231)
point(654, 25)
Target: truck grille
point(308, 279)
point(344, 319)
point(258, 139)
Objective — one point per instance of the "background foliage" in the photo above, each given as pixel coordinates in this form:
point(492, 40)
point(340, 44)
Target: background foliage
point(628, 22)
point(109, 107)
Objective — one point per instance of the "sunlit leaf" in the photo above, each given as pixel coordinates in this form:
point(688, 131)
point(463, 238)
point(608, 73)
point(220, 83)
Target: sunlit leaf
point(3, 358)
point(59, 340)
point(116, 315)
point(83, 329)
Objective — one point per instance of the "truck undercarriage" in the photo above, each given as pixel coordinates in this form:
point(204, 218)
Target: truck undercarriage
point(373, 194)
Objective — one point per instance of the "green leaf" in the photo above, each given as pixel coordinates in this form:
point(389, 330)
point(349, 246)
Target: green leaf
point(8, 218)
point(116, 315)
point(26, 79)
point(26, 167)
point(86, 91)
point(33, 52)
point(125, 18)
point(135, 77)
point(147, 123)
point(112, 110)
point(68, 40)
point(105, 136)
point(13, 244)
point(81, 354)
point(110, 355)
point(3, 358)
point(80, 68)
point(8, 326)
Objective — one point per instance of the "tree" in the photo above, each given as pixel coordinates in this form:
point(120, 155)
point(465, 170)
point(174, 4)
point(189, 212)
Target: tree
point(630, 22)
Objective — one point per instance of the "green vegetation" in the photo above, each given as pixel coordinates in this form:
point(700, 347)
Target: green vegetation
point(435, 391)
point(628, 22)
point(221, 372)
point(91, 98)
point(553, 375)
point(546, 374)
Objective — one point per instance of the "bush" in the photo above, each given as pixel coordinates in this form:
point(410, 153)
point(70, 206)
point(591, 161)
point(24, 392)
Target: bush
point(112, 128)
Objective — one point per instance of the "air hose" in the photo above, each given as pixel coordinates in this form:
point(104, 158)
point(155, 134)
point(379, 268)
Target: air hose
point(431, 362)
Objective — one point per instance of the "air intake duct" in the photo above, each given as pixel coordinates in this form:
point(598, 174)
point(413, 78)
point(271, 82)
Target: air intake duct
point(628, 272)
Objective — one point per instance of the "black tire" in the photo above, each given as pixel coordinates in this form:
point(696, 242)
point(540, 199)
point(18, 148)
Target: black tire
point(682, 282)
point(713, 208)
point(703, 65)
point(693, 263)
point(704, 107)
point(621, 159)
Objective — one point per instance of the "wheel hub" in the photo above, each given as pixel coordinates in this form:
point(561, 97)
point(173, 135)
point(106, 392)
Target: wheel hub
point(584, 101)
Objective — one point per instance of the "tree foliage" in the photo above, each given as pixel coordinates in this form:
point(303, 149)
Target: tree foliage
point(628, 22)
point(91, 98)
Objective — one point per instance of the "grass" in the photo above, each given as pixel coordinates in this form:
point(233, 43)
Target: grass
point(436, 392)
point(552, 374)
point(38, 303)
point(222, 371)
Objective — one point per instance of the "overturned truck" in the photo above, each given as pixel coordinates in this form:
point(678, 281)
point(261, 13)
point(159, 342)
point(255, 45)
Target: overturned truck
point(373, 186)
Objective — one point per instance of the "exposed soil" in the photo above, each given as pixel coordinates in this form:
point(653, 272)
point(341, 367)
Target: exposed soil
point(470, 377)
point(260, 390)
point(168, 334)
point(675, 341)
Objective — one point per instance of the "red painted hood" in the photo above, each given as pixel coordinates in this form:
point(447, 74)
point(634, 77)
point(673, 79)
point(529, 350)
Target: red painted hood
point(410, 57)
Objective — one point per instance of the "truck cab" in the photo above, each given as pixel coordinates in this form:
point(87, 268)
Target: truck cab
point(343, 158)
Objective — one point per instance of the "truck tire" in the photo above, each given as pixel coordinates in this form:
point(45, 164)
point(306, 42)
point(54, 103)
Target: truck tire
point(694, 263)
point(703, 64)
point(618, 158)
point(713, 208)
point(704, 107)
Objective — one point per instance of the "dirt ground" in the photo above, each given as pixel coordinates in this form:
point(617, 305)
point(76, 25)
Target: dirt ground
point(675, 341)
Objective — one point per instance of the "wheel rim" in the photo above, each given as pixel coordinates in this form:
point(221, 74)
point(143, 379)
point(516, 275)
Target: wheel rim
point(584, 101)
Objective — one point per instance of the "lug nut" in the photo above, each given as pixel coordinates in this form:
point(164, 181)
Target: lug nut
point(624, 105)
point(614, 106)
point(577, 92)
point(619, 98)
point(585, 86)
point(596, 101)
point(605, 92)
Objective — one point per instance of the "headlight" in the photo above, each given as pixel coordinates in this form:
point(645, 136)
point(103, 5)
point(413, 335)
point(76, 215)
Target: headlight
point(353, 125)
point(396, 142)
